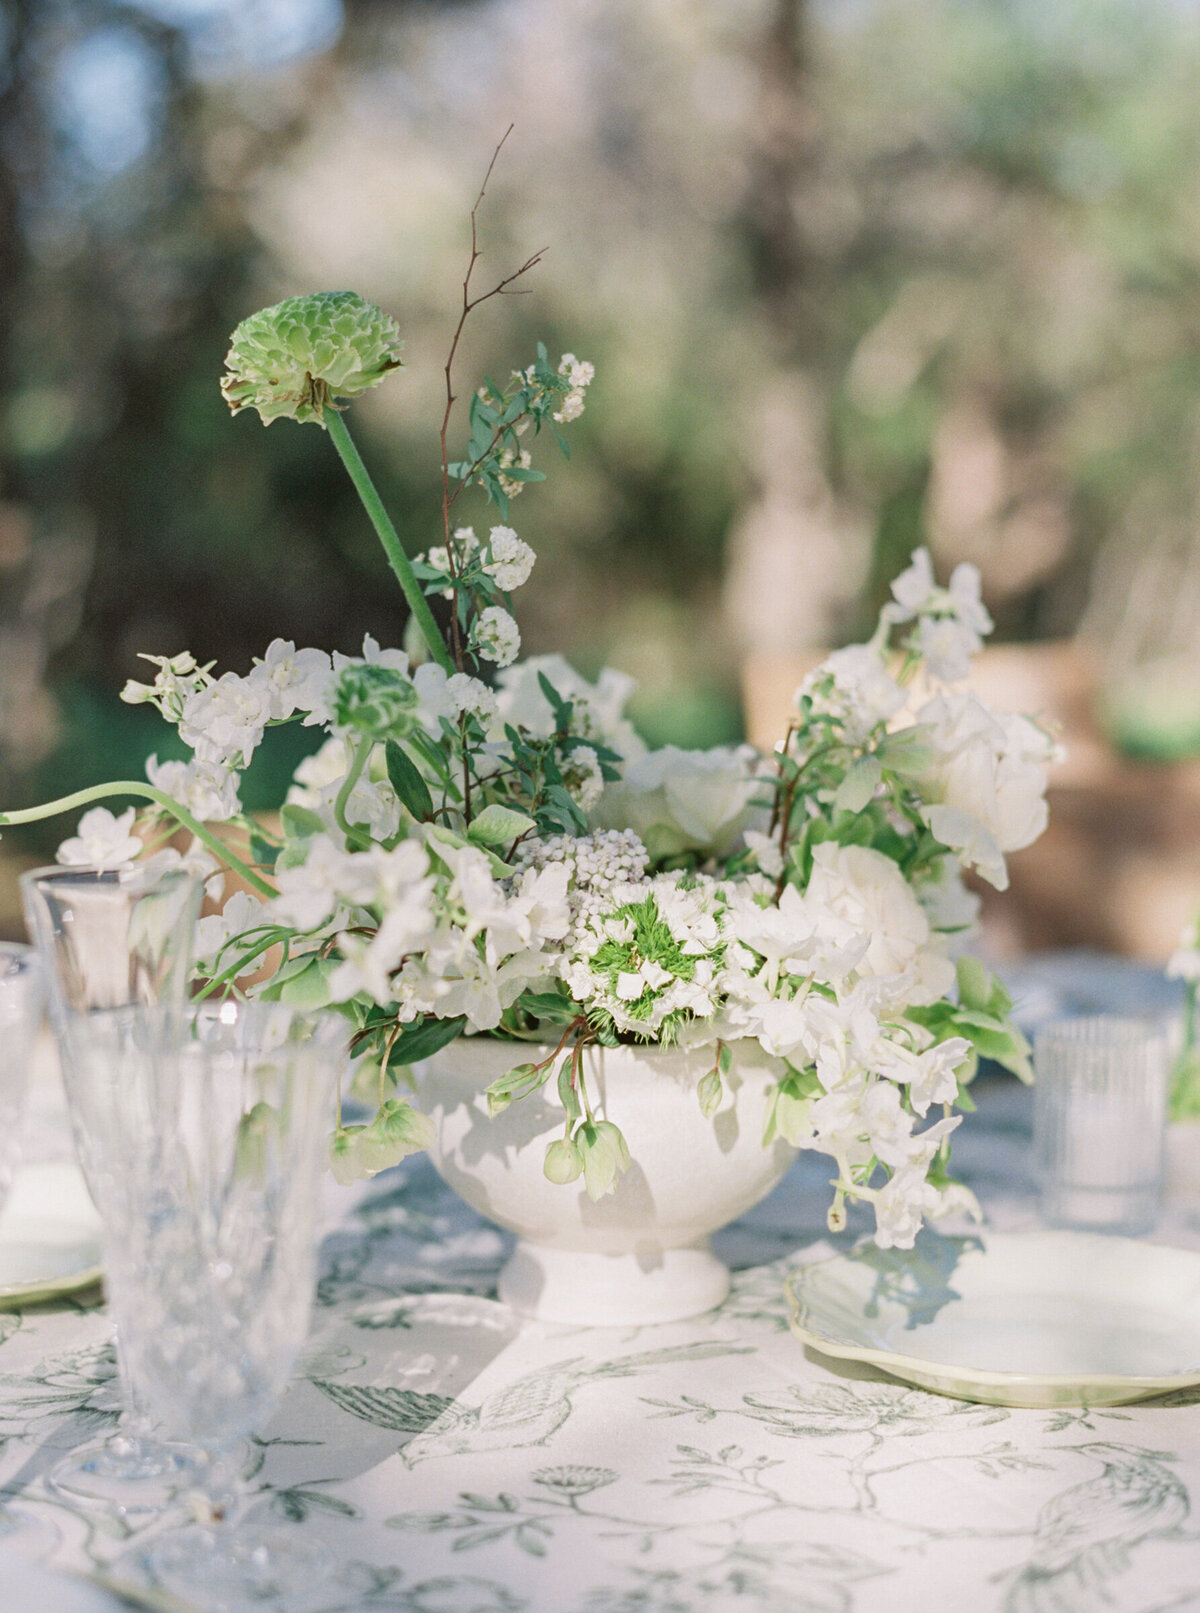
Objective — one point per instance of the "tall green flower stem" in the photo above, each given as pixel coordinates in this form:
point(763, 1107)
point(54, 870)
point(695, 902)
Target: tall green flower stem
point(392, 546)
point(147, 792)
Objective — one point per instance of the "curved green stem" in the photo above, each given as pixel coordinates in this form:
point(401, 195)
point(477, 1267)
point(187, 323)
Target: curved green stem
point(147, 792)
point(358, 762)
point(386, 532)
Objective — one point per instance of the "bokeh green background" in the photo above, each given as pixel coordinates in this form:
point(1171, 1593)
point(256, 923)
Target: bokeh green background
point(855, 275)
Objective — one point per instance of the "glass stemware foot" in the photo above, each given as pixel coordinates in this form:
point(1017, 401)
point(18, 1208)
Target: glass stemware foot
point(130, 1472)
point(223, 1570)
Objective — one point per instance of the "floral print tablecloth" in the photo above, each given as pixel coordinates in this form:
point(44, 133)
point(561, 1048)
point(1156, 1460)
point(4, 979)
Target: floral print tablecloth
point(458, 1461)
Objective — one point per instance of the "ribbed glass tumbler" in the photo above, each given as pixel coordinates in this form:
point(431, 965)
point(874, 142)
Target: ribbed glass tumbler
point(1100, 1101)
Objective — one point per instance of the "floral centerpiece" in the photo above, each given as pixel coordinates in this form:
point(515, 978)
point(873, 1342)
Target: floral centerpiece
point(483, 846)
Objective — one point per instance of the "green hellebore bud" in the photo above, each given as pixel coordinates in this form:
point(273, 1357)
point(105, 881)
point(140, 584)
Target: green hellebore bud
point(374, 700)
point(563, 1163)
point(304, 353)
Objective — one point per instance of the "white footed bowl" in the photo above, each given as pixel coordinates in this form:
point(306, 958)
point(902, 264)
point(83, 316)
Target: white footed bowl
point(640, 1254)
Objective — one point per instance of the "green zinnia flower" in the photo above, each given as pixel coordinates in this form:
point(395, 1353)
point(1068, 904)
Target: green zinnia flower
point(302, 354)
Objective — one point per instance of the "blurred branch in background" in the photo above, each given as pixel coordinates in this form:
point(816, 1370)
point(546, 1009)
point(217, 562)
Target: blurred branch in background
point(856, 274)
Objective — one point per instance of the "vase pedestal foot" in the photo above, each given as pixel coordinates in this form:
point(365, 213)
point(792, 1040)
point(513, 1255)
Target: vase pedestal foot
point(598, 1290)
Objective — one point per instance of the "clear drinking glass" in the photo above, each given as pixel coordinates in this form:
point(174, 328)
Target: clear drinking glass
point(22, 992)
point(111, 940)
point(218, 1209)
point(1100, 1105)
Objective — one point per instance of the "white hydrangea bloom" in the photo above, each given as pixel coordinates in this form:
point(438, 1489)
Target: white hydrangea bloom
point(497, 636)
point(102, 841)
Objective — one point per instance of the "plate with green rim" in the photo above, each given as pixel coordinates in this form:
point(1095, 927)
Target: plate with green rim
point(49, 1236)
point(1047, 1318)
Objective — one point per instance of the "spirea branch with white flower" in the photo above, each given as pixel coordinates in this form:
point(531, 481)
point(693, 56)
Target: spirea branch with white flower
point(482, 845)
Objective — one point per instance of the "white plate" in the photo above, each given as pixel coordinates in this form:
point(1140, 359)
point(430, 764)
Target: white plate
point(49, 1235)
point(1016, 1319)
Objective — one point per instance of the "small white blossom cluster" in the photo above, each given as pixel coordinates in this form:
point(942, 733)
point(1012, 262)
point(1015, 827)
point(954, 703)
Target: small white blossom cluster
point(580, 375)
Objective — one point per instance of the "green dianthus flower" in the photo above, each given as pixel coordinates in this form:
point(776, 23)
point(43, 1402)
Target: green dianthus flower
point(304, 353)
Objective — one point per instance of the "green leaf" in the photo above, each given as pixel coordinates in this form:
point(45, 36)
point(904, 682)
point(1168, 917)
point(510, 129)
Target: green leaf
point(496, 825)
point(725, 1059)
point(262, 850)
point(518, 1082)
point(288, 971)
point(407, 782)
point(308, 988)
point(974, 984)
point(859, 785)
point(437, 835)
point(710, 1092)
point(299, 823)
point(558, 1009)
point(422, 1040)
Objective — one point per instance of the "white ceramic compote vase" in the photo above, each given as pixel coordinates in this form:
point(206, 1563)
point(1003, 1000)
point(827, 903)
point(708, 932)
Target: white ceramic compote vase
point(641, 1253)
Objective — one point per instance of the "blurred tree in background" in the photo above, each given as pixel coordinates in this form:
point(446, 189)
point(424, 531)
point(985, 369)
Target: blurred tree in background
point(856, 274)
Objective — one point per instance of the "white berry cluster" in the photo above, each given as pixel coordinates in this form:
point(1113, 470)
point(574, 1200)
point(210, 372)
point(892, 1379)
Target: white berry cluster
point(606, 869)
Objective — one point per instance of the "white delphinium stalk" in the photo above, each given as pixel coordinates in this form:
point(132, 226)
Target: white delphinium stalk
point(224, 722)
point(177, 679)
point(295, 680)
point(102, 841)
point(208, 790)
point(241, 915)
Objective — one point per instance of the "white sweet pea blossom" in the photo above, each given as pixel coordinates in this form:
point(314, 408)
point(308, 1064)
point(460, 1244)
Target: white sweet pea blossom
point(985, 790)
point(497, 636)
point(902, 1202)
point(953, 621)
point(177, 679)
point(508, 560)
point(312, 893)
point(102, 841)
point(224, 722)
point(865, 693)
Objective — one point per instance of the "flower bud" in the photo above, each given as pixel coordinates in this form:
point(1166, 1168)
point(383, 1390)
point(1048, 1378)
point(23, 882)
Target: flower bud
point(563, 1163)
point(374, 700)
